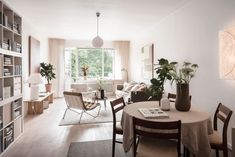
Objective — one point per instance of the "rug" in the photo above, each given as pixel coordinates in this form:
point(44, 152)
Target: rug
point(96, 148)
point(106, 116)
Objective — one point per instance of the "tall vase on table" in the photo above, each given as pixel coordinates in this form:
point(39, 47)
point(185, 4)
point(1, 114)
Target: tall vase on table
point(182, 76)
point(183, 102)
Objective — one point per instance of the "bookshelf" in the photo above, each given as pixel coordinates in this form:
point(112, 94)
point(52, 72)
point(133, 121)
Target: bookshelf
point(11, 115)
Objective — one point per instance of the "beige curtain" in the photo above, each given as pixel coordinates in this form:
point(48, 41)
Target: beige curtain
point(121, 59)
point(56, 58)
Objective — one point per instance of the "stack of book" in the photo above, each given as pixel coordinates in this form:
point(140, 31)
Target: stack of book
point(17, 70)
point(5, 44)
point(6, 72)
point(8, 136)
point(153, 113)
point(7, 61)
point(17, 47)
point(17, 86)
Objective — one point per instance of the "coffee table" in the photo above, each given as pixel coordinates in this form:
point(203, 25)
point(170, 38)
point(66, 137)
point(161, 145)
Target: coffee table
point(97, 99)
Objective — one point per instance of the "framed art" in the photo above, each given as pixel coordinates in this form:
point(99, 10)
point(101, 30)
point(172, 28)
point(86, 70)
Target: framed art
point(147, 61)
point(34, 55)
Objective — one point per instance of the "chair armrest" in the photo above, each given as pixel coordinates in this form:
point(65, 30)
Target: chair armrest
point(119, 87)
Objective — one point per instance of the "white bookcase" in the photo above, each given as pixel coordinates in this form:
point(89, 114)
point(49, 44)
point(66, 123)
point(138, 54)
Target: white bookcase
point(11, 118)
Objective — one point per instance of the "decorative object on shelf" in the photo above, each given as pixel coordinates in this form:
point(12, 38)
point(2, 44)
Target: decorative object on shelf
point(125, 70)
point(182, 76)
point(97, 41)
point(85, 69)
point(47, 72)
point(34, 79)
point(156, 88)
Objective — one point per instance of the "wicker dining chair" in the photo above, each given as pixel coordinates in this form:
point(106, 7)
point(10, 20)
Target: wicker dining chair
point(75, 103)
point(156, 138)
point(218, 141)
point(117, 105)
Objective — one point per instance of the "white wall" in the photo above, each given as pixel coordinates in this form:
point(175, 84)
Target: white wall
point(191, 34)
point(28, 30)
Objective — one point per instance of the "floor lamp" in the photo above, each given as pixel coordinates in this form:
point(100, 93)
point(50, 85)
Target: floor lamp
point(123, 69)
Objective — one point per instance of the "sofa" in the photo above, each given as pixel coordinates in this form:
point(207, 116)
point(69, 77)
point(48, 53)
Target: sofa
point(132, 92)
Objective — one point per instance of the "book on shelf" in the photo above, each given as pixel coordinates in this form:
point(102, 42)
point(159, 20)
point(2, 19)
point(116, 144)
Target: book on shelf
point(153, 113)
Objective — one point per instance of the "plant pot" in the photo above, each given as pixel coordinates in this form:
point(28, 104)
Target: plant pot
point(183, 102)
point(48, 87)
point(84, 77)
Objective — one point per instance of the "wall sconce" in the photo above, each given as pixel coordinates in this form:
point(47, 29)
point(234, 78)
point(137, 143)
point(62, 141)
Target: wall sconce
point(227, 54)
point(125, 70)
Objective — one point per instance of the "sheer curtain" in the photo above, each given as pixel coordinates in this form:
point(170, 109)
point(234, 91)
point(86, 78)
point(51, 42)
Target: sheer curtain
point(121, 59)
point(56, 58)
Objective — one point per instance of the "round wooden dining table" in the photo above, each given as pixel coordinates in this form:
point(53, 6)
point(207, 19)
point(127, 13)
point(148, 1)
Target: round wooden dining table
point(196, 126)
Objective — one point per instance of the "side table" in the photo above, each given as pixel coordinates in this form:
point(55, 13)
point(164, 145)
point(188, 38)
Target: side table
point(36, 106)
point(97, 99)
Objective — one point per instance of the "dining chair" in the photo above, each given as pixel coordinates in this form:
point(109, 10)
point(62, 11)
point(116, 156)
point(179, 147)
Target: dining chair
point(172, 97)
point(75, 103)
point(117, 105)
point(218, 141)
point(156, 138)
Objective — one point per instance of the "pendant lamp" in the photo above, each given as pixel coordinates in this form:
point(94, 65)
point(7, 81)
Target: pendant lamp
point(97, 41)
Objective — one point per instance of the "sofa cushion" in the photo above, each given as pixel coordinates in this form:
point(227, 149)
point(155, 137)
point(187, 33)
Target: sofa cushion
point(142, 87)
point(135, 87)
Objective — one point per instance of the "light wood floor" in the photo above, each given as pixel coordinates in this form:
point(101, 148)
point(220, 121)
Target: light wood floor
point(43, 137)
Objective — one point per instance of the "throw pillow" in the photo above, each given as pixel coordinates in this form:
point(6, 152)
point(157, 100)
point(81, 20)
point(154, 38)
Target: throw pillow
point(142, 87)
point(128, 88)
point(135, 87)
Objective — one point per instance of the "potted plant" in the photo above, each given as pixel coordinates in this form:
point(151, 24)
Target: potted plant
point(182, 76)
point(46, 71)
point(156, 88)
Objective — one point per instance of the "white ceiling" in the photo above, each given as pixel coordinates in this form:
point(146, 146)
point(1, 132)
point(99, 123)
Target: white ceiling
point(76, 19)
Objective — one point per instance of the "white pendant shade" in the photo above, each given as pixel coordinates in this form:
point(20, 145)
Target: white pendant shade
point(97, 42)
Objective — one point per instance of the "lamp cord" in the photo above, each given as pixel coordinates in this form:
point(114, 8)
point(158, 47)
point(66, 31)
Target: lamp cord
point(98, 15)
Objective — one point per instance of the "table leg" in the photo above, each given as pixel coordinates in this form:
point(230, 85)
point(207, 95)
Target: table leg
point(105, 104)
point(186, 152)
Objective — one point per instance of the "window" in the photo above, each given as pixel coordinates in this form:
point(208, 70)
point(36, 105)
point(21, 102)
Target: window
point(99, 61)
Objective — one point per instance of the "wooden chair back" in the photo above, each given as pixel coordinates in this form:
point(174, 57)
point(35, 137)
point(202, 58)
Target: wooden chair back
point(172, 97)
point(223, 114)
point(116, 106)
point(159, 130)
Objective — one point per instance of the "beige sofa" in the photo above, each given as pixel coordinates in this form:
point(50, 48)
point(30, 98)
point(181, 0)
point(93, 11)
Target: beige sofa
point(128, 90)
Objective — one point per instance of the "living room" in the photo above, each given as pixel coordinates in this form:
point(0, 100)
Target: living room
point(195, 31)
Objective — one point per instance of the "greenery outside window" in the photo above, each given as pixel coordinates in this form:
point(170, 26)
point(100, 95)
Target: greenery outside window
point(100, 63)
